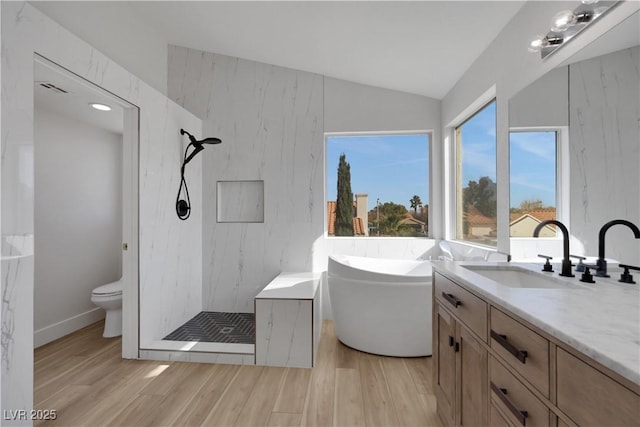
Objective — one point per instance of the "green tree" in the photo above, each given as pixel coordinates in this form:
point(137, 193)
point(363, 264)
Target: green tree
point(344, 202)
point(482, 195)
point(530, 205)
point(391, 216)
point(390, 208)
point(391, 226)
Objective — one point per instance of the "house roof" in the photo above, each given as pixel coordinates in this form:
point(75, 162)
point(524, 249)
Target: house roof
point(542, 214)
point(358, 226)
point(410, 220)
point(474, 217)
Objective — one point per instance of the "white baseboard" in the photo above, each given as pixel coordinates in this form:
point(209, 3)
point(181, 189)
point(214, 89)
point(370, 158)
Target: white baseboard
point(60, 329)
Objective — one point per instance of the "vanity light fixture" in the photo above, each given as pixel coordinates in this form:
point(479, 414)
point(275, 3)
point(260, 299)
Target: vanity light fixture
point(183, 205)
point(568, 23)
point(101, 107)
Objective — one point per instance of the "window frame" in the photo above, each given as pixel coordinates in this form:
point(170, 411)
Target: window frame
point(456, 190)
point(563, 200)
point(428, 132)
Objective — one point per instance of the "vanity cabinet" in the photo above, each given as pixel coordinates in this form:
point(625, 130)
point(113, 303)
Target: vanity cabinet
point(522, 349)
point(492, 368)
point(589, 397)
point(516, 402)
point(460, 357)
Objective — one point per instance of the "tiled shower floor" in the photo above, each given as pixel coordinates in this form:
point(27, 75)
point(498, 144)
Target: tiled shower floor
point(214, 326)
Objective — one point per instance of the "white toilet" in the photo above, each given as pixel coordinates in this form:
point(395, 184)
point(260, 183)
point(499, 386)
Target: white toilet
point(109, 297)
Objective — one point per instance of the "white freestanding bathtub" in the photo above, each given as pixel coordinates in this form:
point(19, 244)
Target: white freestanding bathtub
point(381, 306)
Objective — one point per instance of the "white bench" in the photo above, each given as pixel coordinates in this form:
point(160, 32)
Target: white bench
point(288, 321)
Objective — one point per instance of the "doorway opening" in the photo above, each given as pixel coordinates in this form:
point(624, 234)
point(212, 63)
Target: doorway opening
point(86, 204)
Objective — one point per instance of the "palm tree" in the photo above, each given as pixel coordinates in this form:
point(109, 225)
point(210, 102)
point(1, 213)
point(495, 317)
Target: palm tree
point(415, 202)
point(392, 225)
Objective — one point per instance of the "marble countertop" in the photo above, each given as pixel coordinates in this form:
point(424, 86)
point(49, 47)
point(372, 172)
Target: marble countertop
point(292, 286)
point(601, 320)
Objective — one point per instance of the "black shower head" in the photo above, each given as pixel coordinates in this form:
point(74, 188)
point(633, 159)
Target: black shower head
point(183, 206)
point(210, 141)
point(203, 141)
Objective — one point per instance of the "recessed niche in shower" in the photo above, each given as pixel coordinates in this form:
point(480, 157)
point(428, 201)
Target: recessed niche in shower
point(240, 201)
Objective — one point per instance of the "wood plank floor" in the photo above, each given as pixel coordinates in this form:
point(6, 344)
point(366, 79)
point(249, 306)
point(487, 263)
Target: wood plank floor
point(83, 378)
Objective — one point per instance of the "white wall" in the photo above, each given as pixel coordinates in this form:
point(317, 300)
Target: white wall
point(544, 103)
point(78, 221)
point(509, 67)
point(115, 28)
point(170, 250)
point(271, 121)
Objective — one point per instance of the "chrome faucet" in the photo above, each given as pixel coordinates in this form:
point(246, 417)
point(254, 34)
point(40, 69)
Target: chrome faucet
point(566, 262)
point(602, 263)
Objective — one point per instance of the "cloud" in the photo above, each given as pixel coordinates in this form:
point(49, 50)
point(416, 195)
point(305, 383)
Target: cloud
point(540, 144)
point(479, 159)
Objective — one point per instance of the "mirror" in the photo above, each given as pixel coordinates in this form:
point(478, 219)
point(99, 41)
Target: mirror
point(591, 103)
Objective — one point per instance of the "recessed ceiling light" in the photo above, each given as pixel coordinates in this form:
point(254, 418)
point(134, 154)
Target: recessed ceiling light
point(100, 107)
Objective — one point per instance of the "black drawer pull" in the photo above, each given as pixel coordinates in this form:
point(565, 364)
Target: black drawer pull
point(451, 341)
point(521, 355)
point(502, 394)
point(451, 299)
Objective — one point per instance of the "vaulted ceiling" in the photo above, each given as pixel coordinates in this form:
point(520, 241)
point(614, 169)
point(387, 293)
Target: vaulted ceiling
point(421, 47)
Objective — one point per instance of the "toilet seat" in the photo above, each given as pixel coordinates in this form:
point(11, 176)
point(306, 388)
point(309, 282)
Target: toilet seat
point(108, 290)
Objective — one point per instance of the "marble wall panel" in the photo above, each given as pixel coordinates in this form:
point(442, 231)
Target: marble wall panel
point(270, 121)
point(169, 250)
point(284, 333)
point(605, 151)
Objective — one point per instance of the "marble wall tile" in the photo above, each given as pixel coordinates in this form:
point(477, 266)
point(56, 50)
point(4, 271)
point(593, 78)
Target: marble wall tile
point(605, 151)
point(17, 335)
point(169, 250)
point(284, 333)
point(270, 121)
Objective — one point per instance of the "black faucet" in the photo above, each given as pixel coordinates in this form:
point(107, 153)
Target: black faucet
point(602, 263)
point(566, 262)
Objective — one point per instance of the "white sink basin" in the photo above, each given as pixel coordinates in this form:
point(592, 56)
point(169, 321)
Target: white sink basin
point(518, 277)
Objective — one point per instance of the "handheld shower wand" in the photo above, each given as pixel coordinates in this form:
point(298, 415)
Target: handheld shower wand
point(183, 206)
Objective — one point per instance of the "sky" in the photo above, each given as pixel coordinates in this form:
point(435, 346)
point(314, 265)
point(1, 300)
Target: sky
point(532, 165)
point(392, 168)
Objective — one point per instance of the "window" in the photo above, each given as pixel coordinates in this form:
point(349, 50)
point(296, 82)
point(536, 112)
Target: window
point(476, 203)
point(533, 181)
point(377, 184)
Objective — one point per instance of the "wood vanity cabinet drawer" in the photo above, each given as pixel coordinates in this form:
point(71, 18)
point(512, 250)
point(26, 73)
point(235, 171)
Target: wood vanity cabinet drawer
point(514, 400)
point(591, 398)
point(496, 419)
point(470, 309)
point(524, 350)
